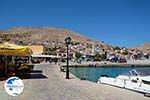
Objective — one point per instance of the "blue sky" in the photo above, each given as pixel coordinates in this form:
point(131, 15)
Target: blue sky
point(116, 22)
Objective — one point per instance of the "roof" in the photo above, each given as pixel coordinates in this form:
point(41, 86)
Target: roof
point(37, 49)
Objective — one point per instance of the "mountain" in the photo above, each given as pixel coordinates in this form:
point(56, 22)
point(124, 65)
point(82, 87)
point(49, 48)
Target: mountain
point(30, 35)
point(145, 47)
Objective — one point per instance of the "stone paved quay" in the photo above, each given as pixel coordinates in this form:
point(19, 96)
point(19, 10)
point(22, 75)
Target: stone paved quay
point(47, 83)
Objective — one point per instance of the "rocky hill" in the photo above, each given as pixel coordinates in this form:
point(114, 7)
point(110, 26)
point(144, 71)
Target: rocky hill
point(145, 47)
point(29, 35)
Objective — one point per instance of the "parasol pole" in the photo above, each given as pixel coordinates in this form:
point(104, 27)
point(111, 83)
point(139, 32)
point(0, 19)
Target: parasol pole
point(5, 65)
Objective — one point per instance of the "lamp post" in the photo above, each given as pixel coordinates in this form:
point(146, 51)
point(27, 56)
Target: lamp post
point(67, 42)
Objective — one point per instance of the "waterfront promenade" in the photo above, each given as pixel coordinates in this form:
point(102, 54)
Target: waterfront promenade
point(48, 83)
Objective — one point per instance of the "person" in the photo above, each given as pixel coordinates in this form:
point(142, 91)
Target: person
point(50, 60)
point(55, 60)
point(80, 60)
point(59, 62)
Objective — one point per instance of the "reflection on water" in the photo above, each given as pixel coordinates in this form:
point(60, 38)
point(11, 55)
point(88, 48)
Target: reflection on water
point(93, 73)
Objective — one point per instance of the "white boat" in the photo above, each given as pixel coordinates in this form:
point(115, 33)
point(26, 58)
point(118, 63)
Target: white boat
point(136, 80)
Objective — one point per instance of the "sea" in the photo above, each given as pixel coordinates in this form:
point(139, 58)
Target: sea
point(94, 73)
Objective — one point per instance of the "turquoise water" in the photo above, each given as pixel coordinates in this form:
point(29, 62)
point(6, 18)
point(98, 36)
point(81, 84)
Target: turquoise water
point(93, 73)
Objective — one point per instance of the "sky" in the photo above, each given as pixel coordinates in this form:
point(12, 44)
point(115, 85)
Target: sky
point(124, 23)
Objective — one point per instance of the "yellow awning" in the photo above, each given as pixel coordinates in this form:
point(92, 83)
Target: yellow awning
point(15, 50)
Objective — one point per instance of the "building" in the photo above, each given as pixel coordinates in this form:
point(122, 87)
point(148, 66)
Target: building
point(37, 49)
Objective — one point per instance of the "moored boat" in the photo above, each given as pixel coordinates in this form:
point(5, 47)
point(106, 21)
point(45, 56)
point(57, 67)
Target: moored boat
point(136, 80)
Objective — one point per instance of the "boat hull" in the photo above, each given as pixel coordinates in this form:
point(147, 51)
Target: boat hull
point(139, 87)
point(112, 81)
point(130, 84)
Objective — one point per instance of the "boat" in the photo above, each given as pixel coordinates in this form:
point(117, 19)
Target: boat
point(136, 80)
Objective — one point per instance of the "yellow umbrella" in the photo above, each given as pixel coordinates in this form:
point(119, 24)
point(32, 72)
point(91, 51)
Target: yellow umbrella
point(15, 50)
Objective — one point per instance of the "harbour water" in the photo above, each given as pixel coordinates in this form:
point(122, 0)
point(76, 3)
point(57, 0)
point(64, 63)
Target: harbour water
point(93, 73)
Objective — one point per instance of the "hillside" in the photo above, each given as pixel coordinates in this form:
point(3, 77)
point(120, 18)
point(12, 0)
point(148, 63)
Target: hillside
point(29, 36)
point(145, 47)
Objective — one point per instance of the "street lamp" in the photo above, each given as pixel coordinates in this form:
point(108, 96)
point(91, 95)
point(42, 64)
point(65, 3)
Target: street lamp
point(67, 42)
